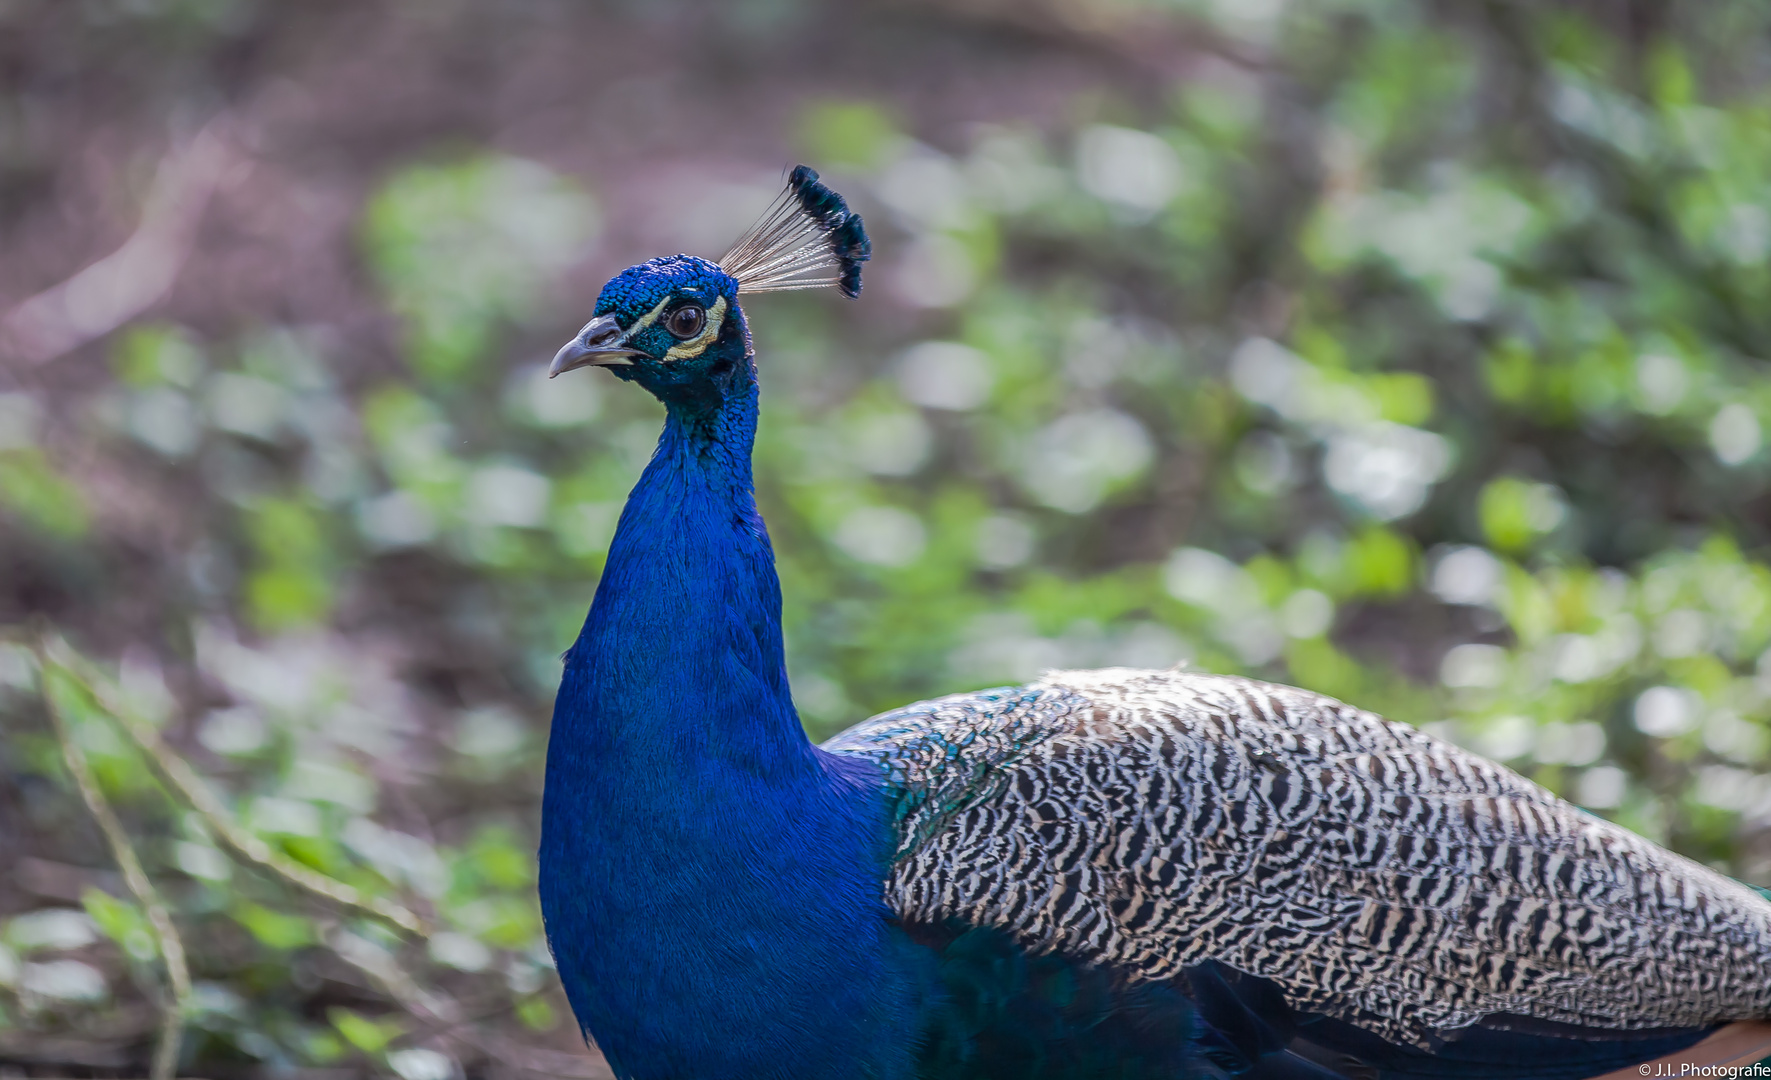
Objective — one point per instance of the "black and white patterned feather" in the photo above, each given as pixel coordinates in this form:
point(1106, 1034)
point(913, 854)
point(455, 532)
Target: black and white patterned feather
point(1153, 821)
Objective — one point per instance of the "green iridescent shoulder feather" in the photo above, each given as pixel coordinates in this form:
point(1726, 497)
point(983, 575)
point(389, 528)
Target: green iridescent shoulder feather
point(943, 756)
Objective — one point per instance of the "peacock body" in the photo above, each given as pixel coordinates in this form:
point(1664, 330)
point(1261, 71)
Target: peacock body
point(1101, 874)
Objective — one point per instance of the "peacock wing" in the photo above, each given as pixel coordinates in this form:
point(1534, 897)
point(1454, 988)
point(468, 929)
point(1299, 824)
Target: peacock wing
point(1158, 821)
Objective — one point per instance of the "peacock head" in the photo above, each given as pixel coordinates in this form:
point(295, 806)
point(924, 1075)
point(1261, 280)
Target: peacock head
point(673, 324)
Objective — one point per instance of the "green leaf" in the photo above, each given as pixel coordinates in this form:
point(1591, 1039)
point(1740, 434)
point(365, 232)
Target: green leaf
point(1379, 562)
point(156, 355)
point(123, 922)
point(322, 1047)
point(537, 1014)
point(500, 859)
point(32, 488)
point(275, 929)
point(1516, 512)
point(366, 1034)
point(501, 920)
point(282, 598)
point(292, 585)
point(846, 134)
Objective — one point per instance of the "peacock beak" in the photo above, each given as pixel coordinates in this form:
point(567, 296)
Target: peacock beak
point(597, 345)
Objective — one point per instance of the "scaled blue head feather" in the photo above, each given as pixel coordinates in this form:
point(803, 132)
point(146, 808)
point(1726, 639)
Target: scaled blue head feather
point(807, 239)
point(633, 292)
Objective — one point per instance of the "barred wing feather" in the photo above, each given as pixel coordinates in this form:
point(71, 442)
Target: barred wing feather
point(1153, 821)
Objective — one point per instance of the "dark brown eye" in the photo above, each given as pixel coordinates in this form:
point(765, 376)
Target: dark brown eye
point(686, 321)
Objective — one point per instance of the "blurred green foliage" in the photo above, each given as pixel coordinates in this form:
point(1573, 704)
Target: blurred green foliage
point(847, 134)
point(461, 247)
point(1423, 364)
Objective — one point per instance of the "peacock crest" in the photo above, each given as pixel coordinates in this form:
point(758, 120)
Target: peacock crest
point(808, 238)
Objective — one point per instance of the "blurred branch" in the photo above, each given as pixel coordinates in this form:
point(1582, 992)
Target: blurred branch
point(165, 1063)
point(447, 1017)
point(182, 778)
point(436, 1011)
point(128, 281)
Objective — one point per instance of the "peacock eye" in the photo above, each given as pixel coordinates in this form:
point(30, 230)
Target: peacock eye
point(686, 321)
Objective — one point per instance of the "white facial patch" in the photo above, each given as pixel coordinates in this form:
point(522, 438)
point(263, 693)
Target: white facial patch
point(647, 319)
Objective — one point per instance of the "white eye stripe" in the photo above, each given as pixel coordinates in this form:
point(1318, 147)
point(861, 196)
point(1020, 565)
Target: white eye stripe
point(698, 344)
point(648, 318)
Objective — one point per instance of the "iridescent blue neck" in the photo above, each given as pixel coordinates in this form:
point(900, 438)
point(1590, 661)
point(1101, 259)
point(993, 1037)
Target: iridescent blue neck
point(712, 883)
point(683, 641)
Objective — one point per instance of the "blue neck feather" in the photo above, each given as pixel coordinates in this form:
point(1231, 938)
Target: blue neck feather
point(711, 881)
point(685, 633)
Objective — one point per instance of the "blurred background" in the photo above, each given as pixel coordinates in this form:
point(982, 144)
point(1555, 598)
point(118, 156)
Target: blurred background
point(1414, 351)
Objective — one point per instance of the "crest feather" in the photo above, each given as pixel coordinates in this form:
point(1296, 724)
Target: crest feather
point(808, 238)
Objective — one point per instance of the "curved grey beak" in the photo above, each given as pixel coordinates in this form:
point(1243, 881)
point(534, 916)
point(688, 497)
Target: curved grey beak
point(597, 345)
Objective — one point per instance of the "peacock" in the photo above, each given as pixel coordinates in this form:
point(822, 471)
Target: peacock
point(1116, 873)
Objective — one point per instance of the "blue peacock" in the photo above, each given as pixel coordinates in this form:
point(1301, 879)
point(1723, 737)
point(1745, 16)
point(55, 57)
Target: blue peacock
point(1115, 873)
